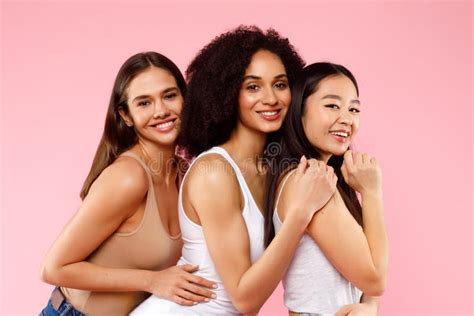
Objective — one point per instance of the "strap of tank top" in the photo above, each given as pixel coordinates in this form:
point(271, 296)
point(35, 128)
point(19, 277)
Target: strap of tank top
point(282, 186)
point(238, 173)
point(240, 178)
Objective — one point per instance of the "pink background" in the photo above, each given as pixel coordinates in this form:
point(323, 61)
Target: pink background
point(414, 64)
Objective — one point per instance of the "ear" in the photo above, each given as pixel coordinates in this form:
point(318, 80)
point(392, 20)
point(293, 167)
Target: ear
point(125, 117)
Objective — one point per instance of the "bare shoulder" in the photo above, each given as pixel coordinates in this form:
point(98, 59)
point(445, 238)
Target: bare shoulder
point(211, 177)
point(124, 176)
point(211, 169)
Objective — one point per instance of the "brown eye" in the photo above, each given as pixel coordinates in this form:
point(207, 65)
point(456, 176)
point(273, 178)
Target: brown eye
point(143, 103)
point(281, 85)
point(170, 96)
point(252, 87)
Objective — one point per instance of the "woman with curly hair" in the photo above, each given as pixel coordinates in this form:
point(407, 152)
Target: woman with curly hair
point(345, 248)
point(238, 93)
point(124, 241)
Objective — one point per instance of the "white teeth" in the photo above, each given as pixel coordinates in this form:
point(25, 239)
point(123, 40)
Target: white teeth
point(269, 113)
point(342, 134)
point(165, 125)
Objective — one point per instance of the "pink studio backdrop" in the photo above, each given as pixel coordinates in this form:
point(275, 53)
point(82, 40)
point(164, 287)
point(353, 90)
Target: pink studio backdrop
point(413, 62)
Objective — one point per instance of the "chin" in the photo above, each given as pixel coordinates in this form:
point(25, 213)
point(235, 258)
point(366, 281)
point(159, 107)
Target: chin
point(339, 152)
point(270, 128)
point(168, 141)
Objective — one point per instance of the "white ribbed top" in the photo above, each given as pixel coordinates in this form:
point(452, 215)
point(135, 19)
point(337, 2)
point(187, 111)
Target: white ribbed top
point(311, 283)
point(195, 252)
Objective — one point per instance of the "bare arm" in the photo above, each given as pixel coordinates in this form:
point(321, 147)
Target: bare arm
point(360, 255)
point(219, 207)
point(113, 198)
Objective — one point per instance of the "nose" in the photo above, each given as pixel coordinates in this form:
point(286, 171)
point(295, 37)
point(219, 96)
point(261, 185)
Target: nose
point(345, 117)
point(269, 97)
point(160, 110)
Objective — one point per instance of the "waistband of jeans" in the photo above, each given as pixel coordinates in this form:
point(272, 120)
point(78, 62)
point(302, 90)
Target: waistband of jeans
point(303, 314)
point(57, 298)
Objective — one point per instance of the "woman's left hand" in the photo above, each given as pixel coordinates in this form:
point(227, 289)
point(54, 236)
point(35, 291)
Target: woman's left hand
point(361, 309)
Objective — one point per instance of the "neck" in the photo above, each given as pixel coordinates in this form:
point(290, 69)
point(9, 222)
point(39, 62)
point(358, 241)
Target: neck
point(160, 160)
point(245, 144)
point(326, 158)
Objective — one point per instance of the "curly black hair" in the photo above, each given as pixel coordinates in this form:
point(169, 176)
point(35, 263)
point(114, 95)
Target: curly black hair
point(214, 79)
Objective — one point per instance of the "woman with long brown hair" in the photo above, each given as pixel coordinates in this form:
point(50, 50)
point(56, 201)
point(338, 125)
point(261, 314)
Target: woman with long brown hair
point(124, 241)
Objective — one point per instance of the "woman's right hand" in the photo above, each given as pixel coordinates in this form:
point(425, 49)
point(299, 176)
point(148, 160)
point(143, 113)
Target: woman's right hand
point(313, 184)
point(179, 285)
point(362, 173)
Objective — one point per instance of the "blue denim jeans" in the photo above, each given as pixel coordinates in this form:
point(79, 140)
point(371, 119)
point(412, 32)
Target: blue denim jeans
point(64, 309)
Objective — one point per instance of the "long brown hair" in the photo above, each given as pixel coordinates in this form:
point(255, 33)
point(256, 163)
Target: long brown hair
point(117, 136)
point(295, 144)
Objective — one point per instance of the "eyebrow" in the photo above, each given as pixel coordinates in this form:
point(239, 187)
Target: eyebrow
point(146, 96)
point(252, 77)
point(333, 96)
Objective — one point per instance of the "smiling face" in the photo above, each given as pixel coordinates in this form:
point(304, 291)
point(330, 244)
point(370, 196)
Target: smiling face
point(331, 116)
point(265, 93)
point(154, 106)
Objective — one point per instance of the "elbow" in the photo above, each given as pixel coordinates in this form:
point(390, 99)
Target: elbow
point(247, 307)
point(48, 273)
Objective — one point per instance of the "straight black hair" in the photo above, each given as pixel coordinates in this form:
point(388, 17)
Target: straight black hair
point(293, 143)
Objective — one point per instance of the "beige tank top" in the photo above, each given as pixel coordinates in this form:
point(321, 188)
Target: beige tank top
point(148, 247)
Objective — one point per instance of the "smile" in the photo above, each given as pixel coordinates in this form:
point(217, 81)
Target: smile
point(270, 115)
point(341, 134)
point(165, 126)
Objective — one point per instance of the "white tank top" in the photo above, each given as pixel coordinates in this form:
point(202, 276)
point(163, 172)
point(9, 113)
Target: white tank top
point(311, 283)
point(195, 252)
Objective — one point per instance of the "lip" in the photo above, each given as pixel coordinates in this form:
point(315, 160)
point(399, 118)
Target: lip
point(341, 131)
point(341, 139)
point(267, 117)
point(158, 126)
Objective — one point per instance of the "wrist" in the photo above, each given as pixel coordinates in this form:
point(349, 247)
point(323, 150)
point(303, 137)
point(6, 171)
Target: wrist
point(372, 301)
point(298, 220)
point(371, 194)
point(149, 278)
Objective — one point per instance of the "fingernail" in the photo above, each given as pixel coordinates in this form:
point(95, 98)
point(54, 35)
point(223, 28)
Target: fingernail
point(206, 300)
point(214, 286)
point(213, 295)
point(195, 303)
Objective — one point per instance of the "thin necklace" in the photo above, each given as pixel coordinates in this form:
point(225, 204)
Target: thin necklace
point(151, 162)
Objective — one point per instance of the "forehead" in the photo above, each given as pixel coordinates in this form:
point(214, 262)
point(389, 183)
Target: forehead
point(152, 80)
point(337, 85)
point(265, 62)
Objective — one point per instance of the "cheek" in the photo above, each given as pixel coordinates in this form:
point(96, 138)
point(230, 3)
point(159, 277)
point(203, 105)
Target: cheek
point(314, 124)
point(309, 128)
point(285, 98)
point(246, 101)
point(178, 107)
point(355, 127)
point(134, 115)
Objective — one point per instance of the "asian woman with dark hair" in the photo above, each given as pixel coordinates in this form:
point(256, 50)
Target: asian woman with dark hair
point(345, 245)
